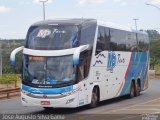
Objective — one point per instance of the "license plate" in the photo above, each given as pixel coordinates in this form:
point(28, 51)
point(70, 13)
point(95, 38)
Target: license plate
point(45, 102)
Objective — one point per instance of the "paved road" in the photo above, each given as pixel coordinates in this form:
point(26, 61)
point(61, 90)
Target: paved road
point(118, 109)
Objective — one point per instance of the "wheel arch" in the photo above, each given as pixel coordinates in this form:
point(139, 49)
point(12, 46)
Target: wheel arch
point(95, 85)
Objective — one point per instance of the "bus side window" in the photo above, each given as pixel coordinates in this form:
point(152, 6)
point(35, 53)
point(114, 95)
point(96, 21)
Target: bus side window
point(83, 67)
point(131, 42)
point(118, 40)
point(143, 44)
point(103, 39)
point(80, 73)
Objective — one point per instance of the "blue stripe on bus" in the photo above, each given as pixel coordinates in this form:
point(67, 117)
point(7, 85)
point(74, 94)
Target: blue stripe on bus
point(138, 68)
point(47, 90)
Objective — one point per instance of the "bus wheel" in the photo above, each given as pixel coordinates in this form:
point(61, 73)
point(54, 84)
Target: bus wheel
point(132, 90)
point(94, 99)
point(138, 89)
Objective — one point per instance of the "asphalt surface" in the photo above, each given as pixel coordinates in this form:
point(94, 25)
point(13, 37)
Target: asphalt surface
point(147, 105)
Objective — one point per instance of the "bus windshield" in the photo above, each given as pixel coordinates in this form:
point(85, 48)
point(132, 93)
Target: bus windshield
point(52, 37)
point(49, 71)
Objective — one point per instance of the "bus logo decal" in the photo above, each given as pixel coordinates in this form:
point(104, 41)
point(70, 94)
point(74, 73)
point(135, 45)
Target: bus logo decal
point(111, 61)
point(97, 62)
point(120, 59)
point(44, 33)
point(100, 55)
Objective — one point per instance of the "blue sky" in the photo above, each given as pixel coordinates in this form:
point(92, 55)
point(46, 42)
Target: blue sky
point(17, 15)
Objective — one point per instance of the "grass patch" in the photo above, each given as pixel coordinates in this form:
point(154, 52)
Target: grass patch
point(10, 80)
point(157, 68)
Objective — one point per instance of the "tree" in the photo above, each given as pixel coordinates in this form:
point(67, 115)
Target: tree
point(153, 62)
point(153, 34)
point(7, 47)
point(155, 49)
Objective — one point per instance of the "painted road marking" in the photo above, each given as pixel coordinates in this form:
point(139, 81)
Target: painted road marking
point(150, 105)
point(132, 106)
point(126, 118)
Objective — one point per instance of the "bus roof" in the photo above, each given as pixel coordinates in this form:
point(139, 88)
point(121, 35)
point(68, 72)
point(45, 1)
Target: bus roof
point(119, 27)
point(81, 21)
point(66, 21)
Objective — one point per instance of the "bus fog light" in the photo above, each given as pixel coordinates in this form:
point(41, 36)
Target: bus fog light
point(70, 100)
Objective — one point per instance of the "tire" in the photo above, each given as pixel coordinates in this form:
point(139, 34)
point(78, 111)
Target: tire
point(137, 90)
point(94, 98)
point(132, 90)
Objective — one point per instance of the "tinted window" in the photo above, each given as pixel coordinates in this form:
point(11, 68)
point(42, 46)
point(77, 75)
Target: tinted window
point(103, 39)
point(83, 67)
point(143, 42)
point(131, 42)
point(87, 34)
point(52, 37)
point(118, 40)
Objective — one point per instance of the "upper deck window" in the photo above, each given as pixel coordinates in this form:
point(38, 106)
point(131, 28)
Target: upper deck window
point(51, 37)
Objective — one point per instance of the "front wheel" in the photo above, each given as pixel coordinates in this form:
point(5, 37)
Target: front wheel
point(94, 99)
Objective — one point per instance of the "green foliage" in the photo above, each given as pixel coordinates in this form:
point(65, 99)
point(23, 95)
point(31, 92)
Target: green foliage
point(7, 46)
point(155, 49)
point(9, 78)
point(153, 34)
point(153, 62)
point(7, 69)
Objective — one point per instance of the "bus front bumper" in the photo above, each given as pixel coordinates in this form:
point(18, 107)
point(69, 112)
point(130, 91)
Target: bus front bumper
point(69, 101)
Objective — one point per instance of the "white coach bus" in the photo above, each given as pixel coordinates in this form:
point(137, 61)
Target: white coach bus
point(76, 62)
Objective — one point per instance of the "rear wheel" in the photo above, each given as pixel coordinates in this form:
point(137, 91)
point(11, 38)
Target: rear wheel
point(132, 90)
point(94, 98)
point(138, 89)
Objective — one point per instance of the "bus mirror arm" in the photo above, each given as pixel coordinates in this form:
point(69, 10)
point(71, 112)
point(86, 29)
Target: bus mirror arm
point(77, 53)
point(13, 55)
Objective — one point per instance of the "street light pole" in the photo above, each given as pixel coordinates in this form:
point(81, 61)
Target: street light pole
point(43, 2)
point(136, 23)
point(153, 5)
point(136, 29)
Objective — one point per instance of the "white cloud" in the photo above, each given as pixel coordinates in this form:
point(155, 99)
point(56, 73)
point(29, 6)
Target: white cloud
point(24, 2)
point(91, 1)
point(118, 1)
point(155, 2)
point(4, 9)
point(38, 1)
point(121, 2)
point(124, 3)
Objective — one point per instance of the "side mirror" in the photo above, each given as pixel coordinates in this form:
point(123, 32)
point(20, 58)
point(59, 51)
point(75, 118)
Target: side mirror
point(13, 55)
point(77, 53)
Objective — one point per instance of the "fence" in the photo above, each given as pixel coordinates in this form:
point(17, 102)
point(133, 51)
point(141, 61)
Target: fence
point(7, 93)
